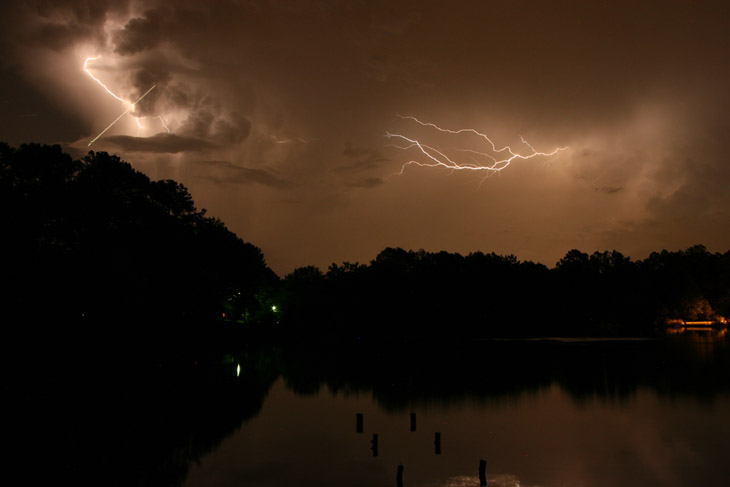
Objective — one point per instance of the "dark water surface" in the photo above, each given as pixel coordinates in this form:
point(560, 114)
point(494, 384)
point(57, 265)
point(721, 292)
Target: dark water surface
point(539, 412)
point(543, 438)
point(554, 432)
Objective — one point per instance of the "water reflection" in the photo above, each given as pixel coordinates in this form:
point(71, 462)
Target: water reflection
point(544, 439)
point(400, 374)
point(557, 413)
point(103, 417)
point(542, 413)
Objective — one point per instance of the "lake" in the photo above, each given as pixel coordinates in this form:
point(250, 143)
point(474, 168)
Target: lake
point(566, 413)
point(545, 438)
point(551, 433)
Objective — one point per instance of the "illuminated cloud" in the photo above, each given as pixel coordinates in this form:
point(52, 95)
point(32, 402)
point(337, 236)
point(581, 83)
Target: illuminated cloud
point(161, 142)
point(300, 94)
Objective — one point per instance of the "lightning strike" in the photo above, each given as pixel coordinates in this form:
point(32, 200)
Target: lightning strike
point(162, 120)
point(158, 117)
point(86, 68)
point(491, 161)
point(131, 107)
point(126, 102)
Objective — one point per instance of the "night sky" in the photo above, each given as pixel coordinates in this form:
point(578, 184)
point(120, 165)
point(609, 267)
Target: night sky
point(278, 114)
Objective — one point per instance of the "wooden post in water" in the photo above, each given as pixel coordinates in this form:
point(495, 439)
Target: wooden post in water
point(437, 443)
point(399, 476)
point(482, 473)
point(413, 421)
point(358, 421)
point(374, 444)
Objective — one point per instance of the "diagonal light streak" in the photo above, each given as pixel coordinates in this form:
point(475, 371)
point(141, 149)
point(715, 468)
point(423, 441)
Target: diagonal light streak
point(131, 107)
point(127, 102)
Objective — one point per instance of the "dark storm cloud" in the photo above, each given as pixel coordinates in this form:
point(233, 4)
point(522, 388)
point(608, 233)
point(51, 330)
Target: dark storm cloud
point(361, 159)
point(209, 123)
point(143, 79)
point(159, 143)
point(58, 24)
point(609, 189)
point(303, 91)
point(61, 35)
point(238, 175)
point(141, 33)
point(176, 22)
point(366, 183)
point(359, 162)
point(700, 192)
point(186, 23)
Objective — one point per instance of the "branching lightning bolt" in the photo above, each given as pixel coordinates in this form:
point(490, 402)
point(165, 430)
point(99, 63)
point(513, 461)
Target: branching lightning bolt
point(159, 117)
point(86, 68)
point(126, 102)
point(494, 161)
point(131, 107)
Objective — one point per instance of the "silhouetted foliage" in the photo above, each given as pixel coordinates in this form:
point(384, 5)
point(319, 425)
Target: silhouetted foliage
point(418, 293)
point(94, 240)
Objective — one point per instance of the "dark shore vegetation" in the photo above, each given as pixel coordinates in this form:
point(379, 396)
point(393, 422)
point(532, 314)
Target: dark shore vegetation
point(95, 242)
point(140, 333)
point(446, 295)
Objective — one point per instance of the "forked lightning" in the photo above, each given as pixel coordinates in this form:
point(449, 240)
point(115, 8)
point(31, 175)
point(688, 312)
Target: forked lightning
point(497, 159)
point(127, 102)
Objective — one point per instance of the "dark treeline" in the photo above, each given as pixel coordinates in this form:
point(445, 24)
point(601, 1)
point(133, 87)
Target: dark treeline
point(95, 241)
point(417, 293)
point(114, 289)
point(97, 257)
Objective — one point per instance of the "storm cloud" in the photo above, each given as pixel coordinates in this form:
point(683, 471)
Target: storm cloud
point(301, 94)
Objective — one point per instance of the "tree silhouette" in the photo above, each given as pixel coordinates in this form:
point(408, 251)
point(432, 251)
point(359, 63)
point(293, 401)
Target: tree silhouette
point(95, 240)
point(405, 293)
